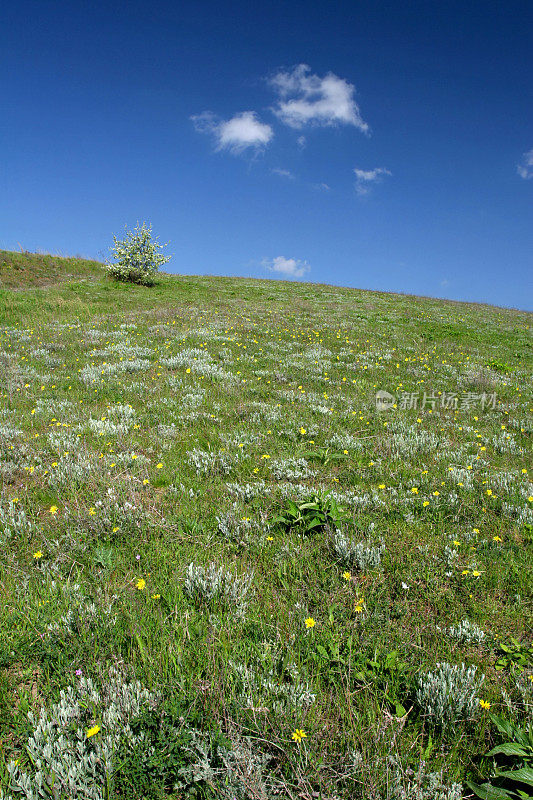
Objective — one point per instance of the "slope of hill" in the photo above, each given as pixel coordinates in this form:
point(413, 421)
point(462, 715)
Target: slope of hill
point(26, 270)
point(200, 494)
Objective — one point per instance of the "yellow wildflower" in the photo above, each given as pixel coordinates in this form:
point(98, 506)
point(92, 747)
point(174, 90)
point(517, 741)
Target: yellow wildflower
point(298, 735)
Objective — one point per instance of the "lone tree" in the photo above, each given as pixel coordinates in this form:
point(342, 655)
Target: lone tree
point(137, 257)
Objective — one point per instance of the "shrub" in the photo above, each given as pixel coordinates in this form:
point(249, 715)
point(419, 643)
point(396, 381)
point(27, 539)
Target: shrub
point(466, 632)
point(216, 586)
point(449, 694)
point(70, 755)
point(137, 256)
point(357, 555)
point(121, 740)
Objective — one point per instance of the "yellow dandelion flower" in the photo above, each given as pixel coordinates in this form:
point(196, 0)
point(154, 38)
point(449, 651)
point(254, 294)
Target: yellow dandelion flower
point(140, 584)
point(52, 510)
point(93, 731)
point(310, 622)
point(298, 735)
point(37, 554)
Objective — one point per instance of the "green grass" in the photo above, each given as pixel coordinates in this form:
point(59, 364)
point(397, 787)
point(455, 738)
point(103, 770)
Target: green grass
point(129, 466)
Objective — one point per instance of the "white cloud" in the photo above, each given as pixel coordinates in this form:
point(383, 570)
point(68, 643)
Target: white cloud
point(292, 267)
point(236, 134)
point(525, 168)
point(283, 173)
point(305, 98)
point(366, 177)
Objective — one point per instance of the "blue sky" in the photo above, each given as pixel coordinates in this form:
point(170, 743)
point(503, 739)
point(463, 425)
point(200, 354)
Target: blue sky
point(381, 145)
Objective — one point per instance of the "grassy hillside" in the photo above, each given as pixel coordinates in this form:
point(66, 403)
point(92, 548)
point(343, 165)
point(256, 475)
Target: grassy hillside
point(25, 270)
point(200, 495)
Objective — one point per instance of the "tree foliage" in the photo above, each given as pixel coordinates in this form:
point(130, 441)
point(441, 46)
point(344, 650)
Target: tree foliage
point(137, 257)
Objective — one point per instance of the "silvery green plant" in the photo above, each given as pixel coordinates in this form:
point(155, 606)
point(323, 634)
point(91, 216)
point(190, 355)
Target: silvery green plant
point(137, 257)
point(14, 521)
point(423, 786)
point(208, 462)
point(356, 554)
point(236, 528)
point(82, 616)
point(466, 632)
point(105, 427)
point(216, 586)
point(450, 557)
point(291, 469)
point(70, 470)
point(247, 491)
point(243, 773)
point(265, 691)
point(449, 693)
point(66, 763)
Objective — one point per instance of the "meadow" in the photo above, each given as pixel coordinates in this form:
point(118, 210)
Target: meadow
point(225, 573)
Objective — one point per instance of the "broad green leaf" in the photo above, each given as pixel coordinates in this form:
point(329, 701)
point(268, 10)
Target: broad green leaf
point(524, 775)
point(488, 792)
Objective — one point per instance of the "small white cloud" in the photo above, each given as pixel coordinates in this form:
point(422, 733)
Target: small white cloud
point(366, 177)
point(324, 187)
point(301, 141)
point(292, 267)
point(242, 131)
point(283, 173)
point(525, 168)
point(305, 99)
